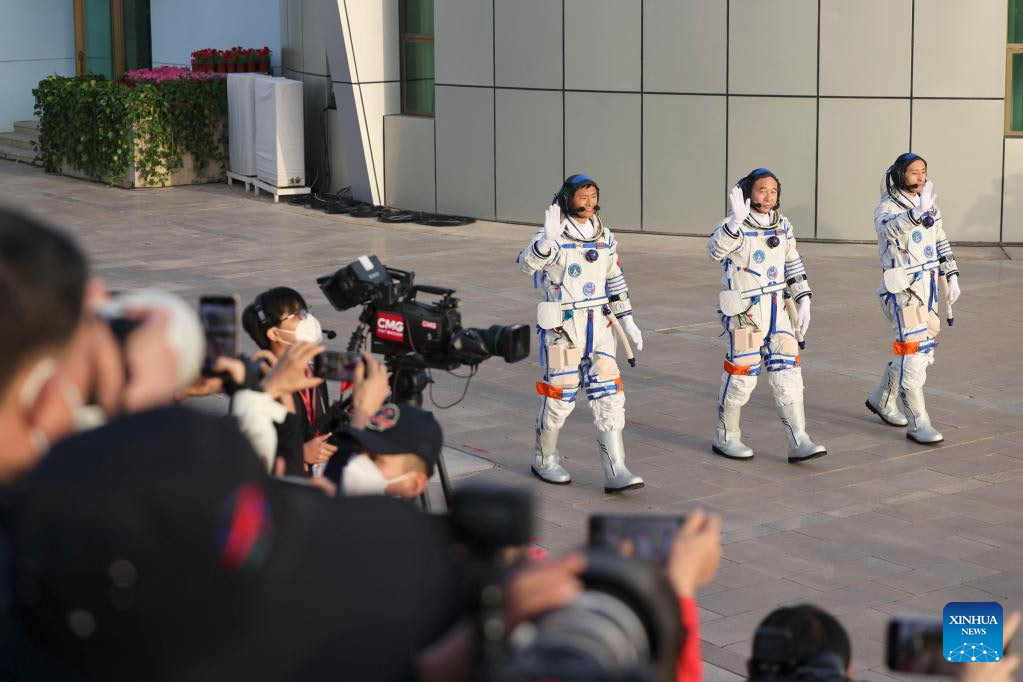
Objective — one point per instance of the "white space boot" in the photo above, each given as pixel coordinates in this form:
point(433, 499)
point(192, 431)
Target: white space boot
point(546, 460)
point(801, 448)
point(612, 457)
point(920, 428)
point(884, 400)
point(727, 435)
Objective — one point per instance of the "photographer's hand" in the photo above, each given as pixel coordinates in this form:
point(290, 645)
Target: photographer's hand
point(288, 375)
point(696, 553)
point(317, 450)
point(1003, 669)
point(212, 385)
point(369, 391)
point(541, 587)
point(152, 368)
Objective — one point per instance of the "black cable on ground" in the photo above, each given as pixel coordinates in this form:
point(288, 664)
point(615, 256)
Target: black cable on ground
point(394, 215)
point(440, 220)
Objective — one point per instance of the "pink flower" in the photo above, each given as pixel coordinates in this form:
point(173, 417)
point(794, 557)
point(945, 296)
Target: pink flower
point(164, 73)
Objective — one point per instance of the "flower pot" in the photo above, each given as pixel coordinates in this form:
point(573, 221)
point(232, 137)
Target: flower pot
point(251, 67)
point(221, 68)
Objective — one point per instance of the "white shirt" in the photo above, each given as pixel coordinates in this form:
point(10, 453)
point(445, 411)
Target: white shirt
point(584, 231)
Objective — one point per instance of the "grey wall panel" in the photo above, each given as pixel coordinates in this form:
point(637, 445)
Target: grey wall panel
point(962, 142)
point(602, 44)
point(1012, 230)
point(780, 134)
point(465, 151)
point(683, 162)
point(528, 43)
point(773, 47)
point(464, 41)
point(315, 91)
point(960, 49)
point(861, 53)
point(603, 141)
point(684, 46)
point(291, 34)
point(859, 138)
point(408, 143)
point(529, 153)
point(315, 17)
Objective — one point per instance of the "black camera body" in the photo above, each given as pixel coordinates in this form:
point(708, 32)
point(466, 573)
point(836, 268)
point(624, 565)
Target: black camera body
point(626, 625)
point(400, 324)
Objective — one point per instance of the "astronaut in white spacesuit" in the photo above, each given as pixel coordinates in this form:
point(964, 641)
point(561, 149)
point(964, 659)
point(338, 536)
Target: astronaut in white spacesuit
point(915, 257)
point(762, 276)
point(574, 261)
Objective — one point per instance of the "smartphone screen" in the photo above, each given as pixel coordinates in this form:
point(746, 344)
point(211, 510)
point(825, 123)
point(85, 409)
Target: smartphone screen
point(336, 366)
point(915, 646)
point(219, 315)
point(647, 537)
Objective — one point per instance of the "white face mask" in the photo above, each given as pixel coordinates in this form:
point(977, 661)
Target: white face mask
point(362, 477)
point(308, 329)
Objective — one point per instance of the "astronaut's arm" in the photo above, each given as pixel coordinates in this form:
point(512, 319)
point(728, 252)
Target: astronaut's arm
point(533, 257)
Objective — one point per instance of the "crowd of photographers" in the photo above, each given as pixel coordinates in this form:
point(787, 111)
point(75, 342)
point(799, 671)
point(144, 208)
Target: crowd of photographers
point(140, 539)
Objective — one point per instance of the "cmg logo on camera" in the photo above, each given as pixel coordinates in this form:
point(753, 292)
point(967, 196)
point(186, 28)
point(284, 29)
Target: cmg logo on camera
point(390, 327)
point(972, 631)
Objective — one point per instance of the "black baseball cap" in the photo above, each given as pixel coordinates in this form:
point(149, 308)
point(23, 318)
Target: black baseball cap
point(156, 547)
point(399, 428)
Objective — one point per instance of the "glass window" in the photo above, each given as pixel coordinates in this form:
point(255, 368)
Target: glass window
point(1014, 97)
point(417, 75)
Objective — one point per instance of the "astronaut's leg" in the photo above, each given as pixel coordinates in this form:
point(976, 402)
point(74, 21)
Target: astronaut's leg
point(786, 380)
point(557, 391)
point(916, 328)
point(606, 395)
point(742, 366)
point(884, 401)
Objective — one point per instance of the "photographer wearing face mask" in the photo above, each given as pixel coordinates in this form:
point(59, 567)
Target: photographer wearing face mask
point(276, 320)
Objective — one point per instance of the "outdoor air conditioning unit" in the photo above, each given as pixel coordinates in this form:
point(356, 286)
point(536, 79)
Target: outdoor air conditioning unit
point(241, 123)
point(280, 138)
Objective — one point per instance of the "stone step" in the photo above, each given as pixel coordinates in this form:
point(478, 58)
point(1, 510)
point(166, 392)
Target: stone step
point(19, 139)
point(18, 154)
point(31, 127)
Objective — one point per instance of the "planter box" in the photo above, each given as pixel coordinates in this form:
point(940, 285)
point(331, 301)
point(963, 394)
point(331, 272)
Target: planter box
point(186, 175)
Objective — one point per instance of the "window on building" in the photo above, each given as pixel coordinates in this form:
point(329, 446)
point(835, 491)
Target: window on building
point(1014, 71)
point(417, 80)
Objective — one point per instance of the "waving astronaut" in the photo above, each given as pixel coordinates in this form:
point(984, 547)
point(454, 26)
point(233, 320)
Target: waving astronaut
point(762, 275)
point(916, 260)
point(574, 261)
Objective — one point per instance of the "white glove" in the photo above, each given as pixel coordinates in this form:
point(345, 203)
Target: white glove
point(927, 197)
point(739, 207)
point(953, 289)
point(803, 315)
point(633, 332)
point(552, 227)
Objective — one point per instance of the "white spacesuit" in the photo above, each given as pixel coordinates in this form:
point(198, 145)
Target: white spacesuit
point(575, 263)
point(915, 255)
point(761, 268)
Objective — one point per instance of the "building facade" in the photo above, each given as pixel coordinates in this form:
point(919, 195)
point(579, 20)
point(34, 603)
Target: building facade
point(668, 102)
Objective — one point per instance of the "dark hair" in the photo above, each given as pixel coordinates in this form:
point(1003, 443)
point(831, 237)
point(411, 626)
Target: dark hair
point(42, 286)
point(267, 310)
point(793, 637)
point(895, 176)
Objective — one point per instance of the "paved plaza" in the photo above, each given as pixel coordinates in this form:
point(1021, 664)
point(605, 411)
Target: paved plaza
point(879, 526)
